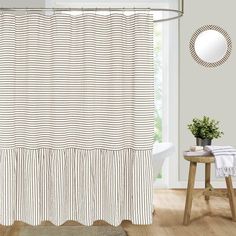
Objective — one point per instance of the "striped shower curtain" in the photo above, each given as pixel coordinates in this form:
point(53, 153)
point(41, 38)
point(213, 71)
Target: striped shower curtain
point(76, 118)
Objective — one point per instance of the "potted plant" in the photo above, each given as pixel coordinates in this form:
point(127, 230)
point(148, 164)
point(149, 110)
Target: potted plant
point(204, 130)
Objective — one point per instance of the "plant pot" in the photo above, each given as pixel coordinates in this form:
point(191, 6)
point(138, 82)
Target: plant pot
point(203, 142)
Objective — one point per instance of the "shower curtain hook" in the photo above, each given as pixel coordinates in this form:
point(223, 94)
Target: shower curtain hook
point(123, 11)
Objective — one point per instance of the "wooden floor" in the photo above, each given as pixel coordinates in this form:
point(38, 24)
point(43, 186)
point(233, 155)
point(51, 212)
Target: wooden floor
point(207, 219)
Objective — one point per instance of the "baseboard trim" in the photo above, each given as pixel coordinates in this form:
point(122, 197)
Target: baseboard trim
point(197, 185)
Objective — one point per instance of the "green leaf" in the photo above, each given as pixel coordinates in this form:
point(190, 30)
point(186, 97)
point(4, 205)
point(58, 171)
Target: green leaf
point(205, 128)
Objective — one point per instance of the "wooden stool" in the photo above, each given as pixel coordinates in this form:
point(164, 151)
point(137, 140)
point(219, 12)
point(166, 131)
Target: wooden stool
point(207, 159)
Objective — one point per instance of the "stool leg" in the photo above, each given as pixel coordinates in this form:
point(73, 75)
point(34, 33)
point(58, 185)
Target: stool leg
point(207, 177)
point(189, 197)
point(231, 197)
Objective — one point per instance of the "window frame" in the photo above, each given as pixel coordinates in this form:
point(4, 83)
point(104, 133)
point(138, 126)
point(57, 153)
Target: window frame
point(170, 101)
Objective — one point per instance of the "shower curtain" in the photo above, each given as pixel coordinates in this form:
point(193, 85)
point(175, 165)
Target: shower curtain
point(76, 118)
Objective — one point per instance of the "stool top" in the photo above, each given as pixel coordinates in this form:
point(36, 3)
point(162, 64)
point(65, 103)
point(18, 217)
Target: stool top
point(199, 156)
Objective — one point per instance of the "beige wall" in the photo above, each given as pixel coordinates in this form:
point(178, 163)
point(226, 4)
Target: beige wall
point(206, 91)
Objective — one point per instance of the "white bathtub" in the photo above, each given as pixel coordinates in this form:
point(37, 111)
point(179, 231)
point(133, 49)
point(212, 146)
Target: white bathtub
point(160, 152)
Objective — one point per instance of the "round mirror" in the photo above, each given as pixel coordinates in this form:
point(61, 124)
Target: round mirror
point(210, 46)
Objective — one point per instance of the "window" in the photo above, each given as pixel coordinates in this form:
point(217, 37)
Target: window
point(166, 96)
point(158, 77)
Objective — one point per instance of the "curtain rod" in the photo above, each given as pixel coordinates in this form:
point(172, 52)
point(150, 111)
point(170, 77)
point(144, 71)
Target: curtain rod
point(179, 12)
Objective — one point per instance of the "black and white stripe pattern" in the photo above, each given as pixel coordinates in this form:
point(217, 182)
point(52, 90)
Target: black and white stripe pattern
point(76, 118)
point(74, 184)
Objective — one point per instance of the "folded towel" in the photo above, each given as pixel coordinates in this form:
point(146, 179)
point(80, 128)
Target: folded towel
point(225, 160)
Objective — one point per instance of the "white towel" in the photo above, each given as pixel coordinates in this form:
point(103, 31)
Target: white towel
point(225, 160)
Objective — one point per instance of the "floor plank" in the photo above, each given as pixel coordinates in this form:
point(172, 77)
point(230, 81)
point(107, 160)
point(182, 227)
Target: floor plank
point(207, 219)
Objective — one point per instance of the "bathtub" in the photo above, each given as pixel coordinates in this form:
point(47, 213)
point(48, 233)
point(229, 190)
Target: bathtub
point(160, 152)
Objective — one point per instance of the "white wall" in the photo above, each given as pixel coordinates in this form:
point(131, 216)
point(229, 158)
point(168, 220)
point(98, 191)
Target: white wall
point(206, 91)
point(112, 3)
point(22, 3)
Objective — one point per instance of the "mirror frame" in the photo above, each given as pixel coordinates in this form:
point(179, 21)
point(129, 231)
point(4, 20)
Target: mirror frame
point(197, 58)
